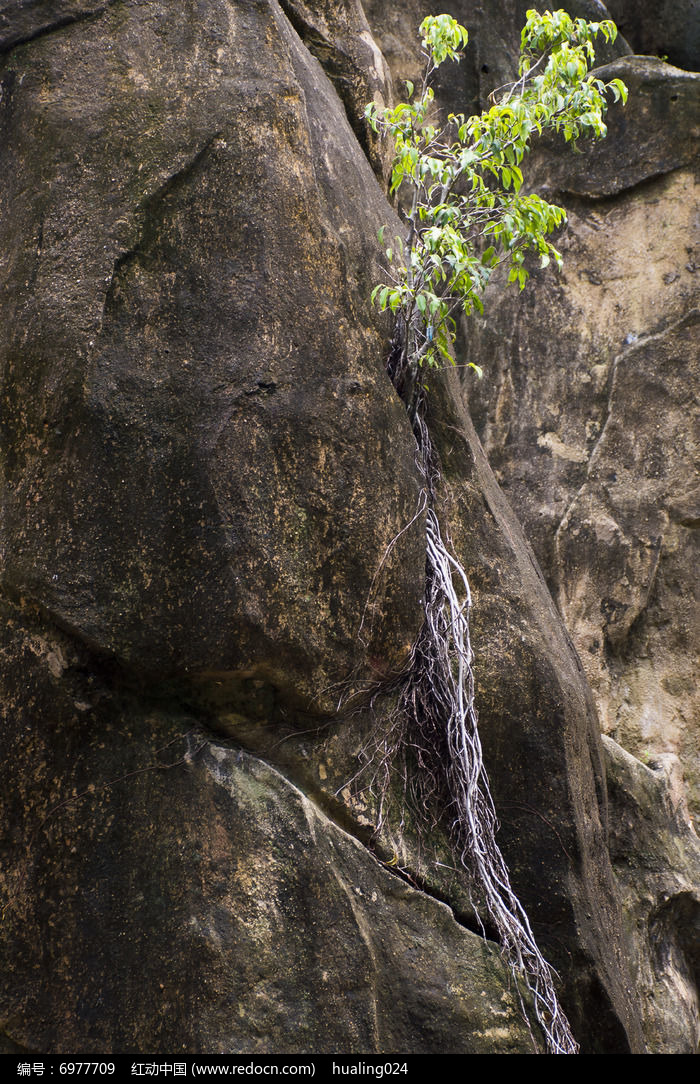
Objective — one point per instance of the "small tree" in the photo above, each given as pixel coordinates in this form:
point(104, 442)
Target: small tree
point(469, 213)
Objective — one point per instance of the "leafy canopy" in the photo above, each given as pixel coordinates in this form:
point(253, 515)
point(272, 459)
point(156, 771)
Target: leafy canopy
point(468, 211)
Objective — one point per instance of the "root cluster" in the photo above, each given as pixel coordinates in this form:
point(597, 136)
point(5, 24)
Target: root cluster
point(437, 719)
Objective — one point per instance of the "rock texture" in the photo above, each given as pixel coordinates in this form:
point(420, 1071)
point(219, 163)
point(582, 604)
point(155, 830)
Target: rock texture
point(669, 28)
point(209, 525)
point(170, 894)
point(590, 414)
point(635, 612)
point(205, 464)
point(656, 855)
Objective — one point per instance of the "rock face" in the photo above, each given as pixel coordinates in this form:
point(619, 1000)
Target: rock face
point(656, 856)
point(210, 548)
point(184, 896)
point(590, 416)
point(177, 491)
point(633, 522)
point(669, 28)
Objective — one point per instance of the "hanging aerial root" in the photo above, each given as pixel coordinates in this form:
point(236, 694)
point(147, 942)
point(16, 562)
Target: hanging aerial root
point(437, 723)
point(437, 702)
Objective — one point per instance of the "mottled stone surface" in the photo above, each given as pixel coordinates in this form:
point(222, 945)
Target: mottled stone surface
point(340, 38)
point(589, 417)
point(627, 551)
point(165, 894)
point(656, 857)
point(668, 28)
point(24, 20)
point(204, 463)
point(204, 467)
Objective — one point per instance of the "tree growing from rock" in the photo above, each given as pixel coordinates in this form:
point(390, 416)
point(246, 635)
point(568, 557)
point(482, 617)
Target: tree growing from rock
point(470, 213)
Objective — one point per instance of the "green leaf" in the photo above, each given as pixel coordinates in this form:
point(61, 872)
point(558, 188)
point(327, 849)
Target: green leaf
point(460, 232)
point(619, 90)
